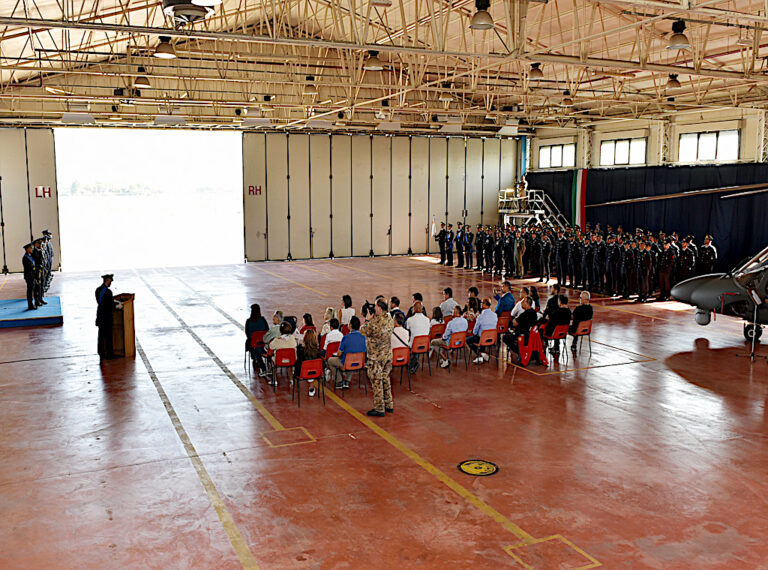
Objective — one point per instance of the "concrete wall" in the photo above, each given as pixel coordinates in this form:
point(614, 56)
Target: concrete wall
point(29, 193)
point(349, 190)
point(747, 120)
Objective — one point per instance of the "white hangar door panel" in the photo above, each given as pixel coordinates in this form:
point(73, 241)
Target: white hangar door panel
point(437, 172)
point(341, 195)
point(298, 195)
point(361, 195)
point(382, 167)
point(16, 199)
point(420, 216)
point(44, 198)
point(508, 163)
point(491, 170)
point(255, 196)
point(320, 194)
point(401, 194)
point(455, 182)
point(474, 172)
point(277, 196)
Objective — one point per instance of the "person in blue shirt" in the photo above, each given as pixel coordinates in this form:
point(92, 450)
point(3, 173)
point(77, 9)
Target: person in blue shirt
point(486, 320)
point(506, 301)
point(457, 324)
point(351, 343)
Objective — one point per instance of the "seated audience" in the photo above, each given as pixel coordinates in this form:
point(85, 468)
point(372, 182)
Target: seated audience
point(581, 314)
point(505, 301)
point(486, 320)
point(351, 343)
point(558, 317)
point(417, 298)
point(330, 313)
point(552, 303)
point(285, 340)
point(307, 351)
point(306, 326)
point(437, 317)
point(400, 336)
point(519, 305)
point(334, 335)
point(347, 311)
point(448, 303)
point(458, 324)
point(521, 325)
point(418, 325)
point(274, 331)
point(255, 323)
point(394, 308)
point(536, 303)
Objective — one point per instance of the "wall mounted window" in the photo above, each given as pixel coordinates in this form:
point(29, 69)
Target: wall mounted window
point(716, 146)
point(623, 152)
point(557, 156)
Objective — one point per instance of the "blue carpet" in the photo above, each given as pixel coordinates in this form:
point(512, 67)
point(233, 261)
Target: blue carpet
point(14, 313)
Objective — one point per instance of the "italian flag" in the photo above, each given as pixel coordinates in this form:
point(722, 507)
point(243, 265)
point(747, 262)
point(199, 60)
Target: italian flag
point(579, 197)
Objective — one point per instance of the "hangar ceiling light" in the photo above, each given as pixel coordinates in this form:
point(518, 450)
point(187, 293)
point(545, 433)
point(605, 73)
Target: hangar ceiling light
point(678, 40)
point(535, 72)
point(673, 82)
point(481, 20)
point(373, 63)
point(142, 81)
point(164, 49)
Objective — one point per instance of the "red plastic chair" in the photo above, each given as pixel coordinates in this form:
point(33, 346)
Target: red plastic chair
point(420, 347)
point(502, 325)
point(310, 370)
point(437, 331)
point(458, 341)
point(447, 319)
point(507, 314)
point(584, 330)
point(256, 341)
point(400, 359)
point(345, 330)
point(534, 346)
point(488, 338)
point(331, 350)
point(470, 327)
point(560, 333)
point(354, 362)
point(284, 358)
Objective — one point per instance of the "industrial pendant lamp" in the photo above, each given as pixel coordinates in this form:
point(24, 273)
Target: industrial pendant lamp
point(309, 88)
point(744, 40)
point(672, 82)
point(481, 20)
point(535, 72)
point(567, 101)
point(678, 40)
point(206, 3)
point(164, 49)
point(142, 81)
point(373, 63)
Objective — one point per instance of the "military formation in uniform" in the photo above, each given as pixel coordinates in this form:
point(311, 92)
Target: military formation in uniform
point(38, 263)
point(612, 262)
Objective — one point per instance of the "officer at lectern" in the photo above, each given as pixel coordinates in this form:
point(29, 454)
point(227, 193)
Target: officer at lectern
point(104, 316)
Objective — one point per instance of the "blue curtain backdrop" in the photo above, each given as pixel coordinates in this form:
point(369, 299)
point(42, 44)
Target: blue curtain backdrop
point(739, 225)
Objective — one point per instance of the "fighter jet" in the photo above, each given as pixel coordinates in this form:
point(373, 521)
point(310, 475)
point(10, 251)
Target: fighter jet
point(742, 292)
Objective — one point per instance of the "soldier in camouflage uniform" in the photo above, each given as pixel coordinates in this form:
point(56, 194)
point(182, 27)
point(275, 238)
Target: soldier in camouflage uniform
point(378, 331)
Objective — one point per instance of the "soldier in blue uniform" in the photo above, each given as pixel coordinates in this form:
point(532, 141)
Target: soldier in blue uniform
point(459, 239)
point(449, 237)
point(468, 242)
point(707, 256)
point(28, 263)
point(480, 247)
point(561, 256)
point(104, 316)
point(440, 238)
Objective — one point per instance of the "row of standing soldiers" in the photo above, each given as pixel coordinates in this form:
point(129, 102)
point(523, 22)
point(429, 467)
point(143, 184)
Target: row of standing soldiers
point(614, 263)
point(37, 263)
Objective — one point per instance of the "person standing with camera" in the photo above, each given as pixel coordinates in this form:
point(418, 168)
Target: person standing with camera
point(378, 333)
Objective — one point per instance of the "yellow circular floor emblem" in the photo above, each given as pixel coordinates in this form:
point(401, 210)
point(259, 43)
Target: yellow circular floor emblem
point(478, 467)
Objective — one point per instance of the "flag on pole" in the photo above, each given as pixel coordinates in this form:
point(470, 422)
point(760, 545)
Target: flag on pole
point(579, 197)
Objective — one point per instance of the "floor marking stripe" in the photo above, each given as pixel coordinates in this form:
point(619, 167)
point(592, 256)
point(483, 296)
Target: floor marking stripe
point(431, 469)
point(363, 270)
point(238, 542)
point(3, 285)
point(235, 380)
point(292, 281)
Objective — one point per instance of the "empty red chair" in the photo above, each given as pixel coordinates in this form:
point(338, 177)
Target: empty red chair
point(284, 358)
point(437, 331)
point(420, 347)
point(584, 330)
point(502, 325)
point(458, 341)
point(400, 358)
point(310, 370)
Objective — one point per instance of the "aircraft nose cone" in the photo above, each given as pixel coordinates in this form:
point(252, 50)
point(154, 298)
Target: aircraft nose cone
point(705, 292)
point(683, 291)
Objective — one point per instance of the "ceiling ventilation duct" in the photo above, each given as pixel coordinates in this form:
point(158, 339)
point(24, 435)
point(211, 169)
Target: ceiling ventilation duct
point(185, 11)
point(169, 121)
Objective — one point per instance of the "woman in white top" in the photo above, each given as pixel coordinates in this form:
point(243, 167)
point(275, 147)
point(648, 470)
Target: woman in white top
point(437, 317)
point(400, 337)
point(347, 311)
point(330, 313)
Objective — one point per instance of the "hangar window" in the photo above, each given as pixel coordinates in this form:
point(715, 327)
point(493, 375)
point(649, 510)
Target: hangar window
point(623, 152)
point(557, 156)
point(717, 146)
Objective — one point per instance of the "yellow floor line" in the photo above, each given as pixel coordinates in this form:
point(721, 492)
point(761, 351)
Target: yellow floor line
point(484, 507)
point(3, 285)
point(363, 270)
point(238, 542)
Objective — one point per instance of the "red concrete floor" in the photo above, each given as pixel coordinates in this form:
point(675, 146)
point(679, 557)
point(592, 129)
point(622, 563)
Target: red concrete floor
point(651, 453)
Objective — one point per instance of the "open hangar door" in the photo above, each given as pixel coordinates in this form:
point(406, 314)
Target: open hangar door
point(320, 195)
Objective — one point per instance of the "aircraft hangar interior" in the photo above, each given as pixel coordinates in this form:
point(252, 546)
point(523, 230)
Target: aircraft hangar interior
point(383, 284)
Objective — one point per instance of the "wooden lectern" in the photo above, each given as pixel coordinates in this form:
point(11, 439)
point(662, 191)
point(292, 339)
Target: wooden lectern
point(123, 336)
